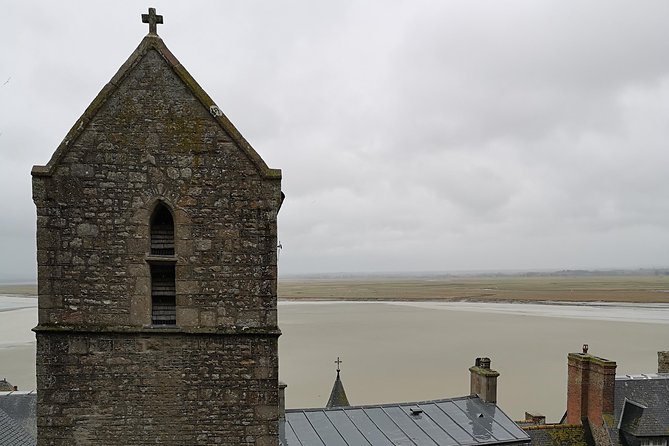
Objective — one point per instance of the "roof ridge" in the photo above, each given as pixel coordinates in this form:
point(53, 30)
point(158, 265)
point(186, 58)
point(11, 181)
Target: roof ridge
point(401, 403)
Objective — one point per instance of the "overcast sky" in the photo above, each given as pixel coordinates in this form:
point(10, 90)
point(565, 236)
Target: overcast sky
point(412, 135)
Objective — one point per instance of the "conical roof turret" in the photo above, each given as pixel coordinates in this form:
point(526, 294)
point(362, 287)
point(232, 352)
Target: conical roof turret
point(338, 394)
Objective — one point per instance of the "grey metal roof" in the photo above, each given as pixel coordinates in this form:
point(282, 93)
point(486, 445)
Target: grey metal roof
point(448, 422)
point(642, 401)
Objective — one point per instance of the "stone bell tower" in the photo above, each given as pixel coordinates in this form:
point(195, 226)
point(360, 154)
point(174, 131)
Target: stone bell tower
point(156, 250)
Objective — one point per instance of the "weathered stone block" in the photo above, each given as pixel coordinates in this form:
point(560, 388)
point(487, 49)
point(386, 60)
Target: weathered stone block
point(188, 317)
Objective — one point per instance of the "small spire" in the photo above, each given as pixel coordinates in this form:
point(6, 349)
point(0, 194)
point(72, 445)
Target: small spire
point(153, 20)
point(338, 394)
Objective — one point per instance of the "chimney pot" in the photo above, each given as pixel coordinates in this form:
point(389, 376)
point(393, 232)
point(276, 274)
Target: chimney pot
point(535, 418)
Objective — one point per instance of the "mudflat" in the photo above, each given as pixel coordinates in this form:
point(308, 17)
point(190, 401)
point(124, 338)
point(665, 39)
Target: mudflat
point(22, 289)
point(607, 288)
point(626, 288)
point(411, 350)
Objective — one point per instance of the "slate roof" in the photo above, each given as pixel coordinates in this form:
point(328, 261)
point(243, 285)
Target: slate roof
point(557, 435)
point(642, 403)
point(20, 406)
point(17, 419)
point(446, 422)
point(11, 434)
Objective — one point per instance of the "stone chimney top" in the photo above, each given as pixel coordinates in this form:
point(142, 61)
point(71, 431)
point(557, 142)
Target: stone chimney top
point(282, 400)
point(483, 380)
point(535, 418)
point(663, 362)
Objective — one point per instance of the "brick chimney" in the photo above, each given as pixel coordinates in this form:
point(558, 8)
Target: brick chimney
point(484, 380)
point(590, 387)
point(662, 362)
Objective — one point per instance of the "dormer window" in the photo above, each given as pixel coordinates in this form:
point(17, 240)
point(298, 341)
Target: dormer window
point(163, 270)
point(162, 232)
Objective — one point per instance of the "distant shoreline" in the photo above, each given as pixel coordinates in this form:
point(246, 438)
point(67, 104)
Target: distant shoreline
point(19, 290)
point(624, 288)
point(644, 288)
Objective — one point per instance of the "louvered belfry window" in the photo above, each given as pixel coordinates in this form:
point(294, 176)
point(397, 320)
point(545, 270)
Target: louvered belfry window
point(163, 295)
point(162, 232)
point(162, 264)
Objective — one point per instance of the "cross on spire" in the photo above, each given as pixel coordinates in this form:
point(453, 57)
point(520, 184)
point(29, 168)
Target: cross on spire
point(153, 20)
point(338, 361)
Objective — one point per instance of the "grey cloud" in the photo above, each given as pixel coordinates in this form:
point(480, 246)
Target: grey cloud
point(412, 135)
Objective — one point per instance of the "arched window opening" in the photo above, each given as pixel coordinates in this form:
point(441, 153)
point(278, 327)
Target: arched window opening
point(163, 295)
point(162, 232)
point(163, 270)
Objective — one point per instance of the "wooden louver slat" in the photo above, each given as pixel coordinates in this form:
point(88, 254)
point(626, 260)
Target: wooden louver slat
point(162, 232)
point(163, 295)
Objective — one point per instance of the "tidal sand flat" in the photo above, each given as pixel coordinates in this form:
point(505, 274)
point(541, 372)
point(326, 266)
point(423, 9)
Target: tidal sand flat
point(609, 288)
point(408, 351)
point(17, 342)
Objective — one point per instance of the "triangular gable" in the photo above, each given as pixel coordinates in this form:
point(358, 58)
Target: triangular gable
point(152, 41)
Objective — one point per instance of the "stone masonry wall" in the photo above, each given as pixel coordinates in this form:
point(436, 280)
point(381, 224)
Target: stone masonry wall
point(663, 362)
point(105, 375)
point(152, 140)
point(109, 389)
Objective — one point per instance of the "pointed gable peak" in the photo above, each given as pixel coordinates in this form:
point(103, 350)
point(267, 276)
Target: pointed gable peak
point(153, 42)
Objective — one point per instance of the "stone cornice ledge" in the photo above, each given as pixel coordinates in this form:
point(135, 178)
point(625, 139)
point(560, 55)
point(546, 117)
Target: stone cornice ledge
point(265, 331)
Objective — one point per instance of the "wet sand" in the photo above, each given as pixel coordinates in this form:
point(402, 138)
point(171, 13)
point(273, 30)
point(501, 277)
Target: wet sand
point(17, 341)
point(17, 364)
point(408, 353)
point(415, 351)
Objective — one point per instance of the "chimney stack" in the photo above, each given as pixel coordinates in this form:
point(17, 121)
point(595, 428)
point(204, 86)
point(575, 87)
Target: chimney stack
point(662, 362)
point(484, 380)
point(590, 387)
point(535, 418)
point(282, 400)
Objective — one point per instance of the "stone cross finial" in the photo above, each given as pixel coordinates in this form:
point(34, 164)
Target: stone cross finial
point(153, 20)
point(338, 361)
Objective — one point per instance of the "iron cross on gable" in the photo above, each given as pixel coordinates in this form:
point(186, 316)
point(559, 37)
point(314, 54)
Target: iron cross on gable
point(338, 361)
point(153, 20)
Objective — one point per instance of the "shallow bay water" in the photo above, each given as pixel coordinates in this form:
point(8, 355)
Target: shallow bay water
point(411, 351)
